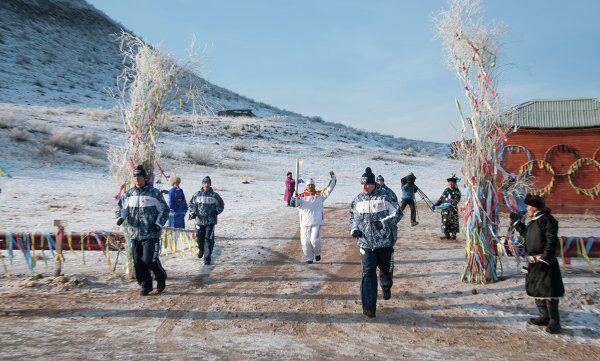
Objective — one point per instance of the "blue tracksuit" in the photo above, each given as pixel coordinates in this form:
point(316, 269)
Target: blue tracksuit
point(178, 206)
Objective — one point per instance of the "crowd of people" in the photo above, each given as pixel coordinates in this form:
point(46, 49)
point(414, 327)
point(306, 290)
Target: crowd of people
point(373, 221)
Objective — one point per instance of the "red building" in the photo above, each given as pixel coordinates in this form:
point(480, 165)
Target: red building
point(558, 142)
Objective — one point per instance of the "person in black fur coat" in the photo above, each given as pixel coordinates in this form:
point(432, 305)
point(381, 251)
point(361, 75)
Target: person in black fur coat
point(543, 280)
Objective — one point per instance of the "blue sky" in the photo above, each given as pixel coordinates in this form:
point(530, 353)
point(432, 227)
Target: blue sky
point(374, 65)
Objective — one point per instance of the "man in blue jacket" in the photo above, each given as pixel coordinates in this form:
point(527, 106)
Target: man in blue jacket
point(374, 215)
point(408, 197)
point(205, 206)
point(381, 182)
point(145, 210)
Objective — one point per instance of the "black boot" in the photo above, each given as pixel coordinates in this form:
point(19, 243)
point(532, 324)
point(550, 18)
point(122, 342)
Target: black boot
point(554, 323)
point(543, 319)
point(161, 285)
point(387, 294)
point(369, 313)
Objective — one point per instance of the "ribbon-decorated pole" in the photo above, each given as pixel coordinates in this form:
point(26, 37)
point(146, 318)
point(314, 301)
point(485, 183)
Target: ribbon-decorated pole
point(148, 85)
point(471, 50)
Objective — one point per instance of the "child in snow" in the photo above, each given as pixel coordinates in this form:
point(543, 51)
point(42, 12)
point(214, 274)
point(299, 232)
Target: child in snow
point(177, 205)
point(290, 188)
point(310, 210)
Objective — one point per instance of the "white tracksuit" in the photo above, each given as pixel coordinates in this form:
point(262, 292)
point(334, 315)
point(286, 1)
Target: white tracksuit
point(310, 209)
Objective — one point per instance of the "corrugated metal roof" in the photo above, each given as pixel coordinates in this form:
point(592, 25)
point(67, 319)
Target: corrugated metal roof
point(556, 113)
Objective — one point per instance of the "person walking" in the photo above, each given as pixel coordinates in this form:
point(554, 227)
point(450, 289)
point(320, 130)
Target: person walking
point(408, 197)
point(451, 196)
point(205, 206)
point(310, 210)
point(543, 281)
point(381, 182)
point(290, 188)
point(373, 217)
point(144, 211)
point(177, 205)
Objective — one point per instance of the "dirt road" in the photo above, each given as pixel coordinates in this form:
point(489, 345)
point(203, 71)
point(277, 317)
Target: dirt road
point(273, 306)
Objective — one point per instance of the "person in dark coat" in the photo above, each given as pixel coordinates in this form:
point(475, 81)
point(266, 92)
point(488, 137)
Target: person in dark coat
point(374, 216)
point(290, 188)
point(205, 207)
point(543, 280)
point(408, 197)
point(144, 211)
point(451, 195)
point(177, 205)
point(381, 182)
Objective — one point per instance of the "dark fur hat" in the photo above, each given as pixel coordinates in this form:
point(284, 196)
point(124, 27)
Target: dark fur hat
point(535, 201)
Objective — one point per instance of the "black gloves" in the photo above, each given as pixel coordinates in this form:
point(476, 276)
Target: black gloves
point(155, 228)
point(378, 225)
point(192, 216)
point(331, 173)
point(514, 217)
point(120, 221)
point(357, 233)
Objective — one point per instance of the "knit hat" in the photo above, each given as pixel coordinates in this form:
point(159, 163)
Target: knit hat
point(206, 180)
point(368, 177)
point(535, 201)
point(139, 171)
point(311, 181)
point(380, 178)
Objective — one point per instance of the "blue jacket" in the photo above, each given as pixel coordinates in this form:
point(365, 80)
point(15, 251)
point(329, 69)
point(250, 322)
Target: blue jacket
point(141, 208)
point(177, 202)
point(408, 191)
point(378, 206)
point(206, 206)
point(391, 192)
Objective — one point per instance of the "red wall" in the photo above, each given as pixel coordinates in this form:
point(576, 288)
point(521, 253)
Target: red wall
point(562, 197)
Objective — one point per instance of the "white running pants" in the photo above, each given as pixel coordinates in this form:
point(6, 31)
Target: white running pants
point(310, 236)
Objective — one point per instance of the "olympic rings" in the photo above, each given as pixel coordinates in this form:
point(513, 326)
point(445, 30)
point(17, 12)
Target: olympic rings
point(527, 168)
point(590, 192)
point(510, 148)
point(561, 148)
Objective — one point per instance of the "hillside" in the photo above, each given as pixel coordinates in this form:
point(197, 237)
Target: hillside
point(61, 53)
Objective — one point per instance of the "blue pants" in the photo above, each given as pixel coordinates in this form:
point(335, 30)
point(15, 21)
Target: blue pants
point(371, 259)
point(176, 220)
point(145, 259)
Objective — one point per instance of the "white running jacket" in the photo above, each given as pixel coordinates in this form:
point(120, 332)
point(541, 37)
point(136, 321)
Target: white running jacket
point(310, 208)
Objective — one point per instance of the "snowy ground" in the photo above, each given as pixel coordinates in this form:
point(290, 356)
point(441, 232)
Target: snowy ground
point(259, 300)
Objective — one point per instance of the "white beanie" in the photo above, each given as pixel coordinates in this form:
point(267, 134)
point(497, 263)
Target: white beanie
point(311, 181)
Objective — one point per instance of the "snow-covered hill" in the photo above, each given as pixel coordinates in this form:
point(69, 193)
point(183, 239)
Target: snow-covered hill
point(63, 53)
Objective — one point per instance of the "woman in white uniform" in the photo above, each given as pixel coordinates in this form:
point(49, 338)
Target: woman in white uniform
point(310, 209)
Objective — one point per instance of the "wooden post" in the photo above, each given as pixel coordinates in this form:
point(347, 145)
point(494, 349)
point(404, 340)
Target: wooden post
point(60, 232)
point(297, 179)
